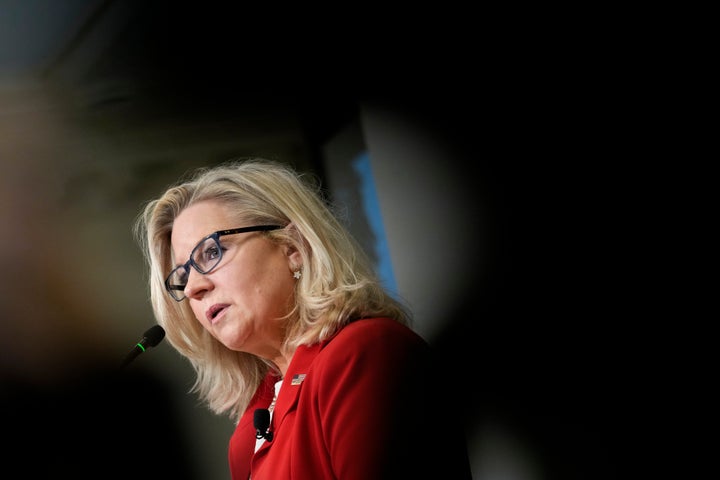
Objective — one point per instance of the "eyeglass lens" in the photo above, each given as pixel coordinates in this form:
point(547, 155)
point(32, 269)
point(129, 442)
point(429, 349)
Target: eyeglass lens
point(205, 256)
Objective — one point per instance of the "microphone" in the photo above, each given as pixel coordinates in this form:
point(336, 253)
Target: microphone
point(261, 421)
point(151, 337)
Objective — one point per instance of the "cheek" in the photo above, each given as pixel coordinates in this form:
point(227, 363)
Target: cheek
point(197, 309)
point(277, 289)
point(268, 271)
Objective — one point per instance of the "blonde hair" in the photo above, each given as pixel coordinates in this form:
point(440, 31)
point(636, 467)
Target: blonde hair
point(338, 283)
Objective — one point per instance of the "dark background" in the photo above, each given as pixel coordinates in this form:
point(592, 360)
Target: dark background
point(560, 361)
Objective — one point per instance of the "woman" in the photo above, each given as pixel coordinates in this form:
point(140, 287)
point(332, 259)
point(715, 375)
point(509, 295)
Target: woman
point(281, 315)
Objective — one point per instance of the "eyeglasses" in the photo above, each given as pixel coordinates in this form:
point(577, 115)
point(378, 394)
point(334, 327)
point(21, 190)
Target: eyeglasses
point(204, 258)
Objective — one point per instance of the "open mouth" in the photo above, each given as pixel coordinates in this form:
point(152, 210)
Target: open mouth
point(214, 311)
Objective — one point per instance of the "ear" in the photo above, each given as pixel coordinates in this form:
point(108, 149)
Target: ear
point(295, 260)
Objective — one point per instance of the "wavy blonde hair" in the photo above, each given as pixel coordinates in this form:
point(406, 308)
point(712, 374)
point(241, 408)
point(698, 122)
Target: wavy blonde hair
point(338, 284)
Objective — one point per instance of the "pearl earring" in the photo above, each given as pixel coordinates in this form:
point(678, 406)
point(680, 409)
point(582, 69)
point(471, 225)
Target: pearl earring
point(297, 274)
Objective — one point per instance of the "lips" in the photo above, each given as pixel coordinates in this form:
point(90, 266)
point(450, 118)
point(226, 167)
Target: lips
point(213, 313)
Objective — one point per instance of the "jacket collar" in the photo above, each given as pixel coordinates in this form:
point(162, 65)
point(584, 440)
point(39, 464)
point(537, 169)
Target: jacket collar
point(297, 372)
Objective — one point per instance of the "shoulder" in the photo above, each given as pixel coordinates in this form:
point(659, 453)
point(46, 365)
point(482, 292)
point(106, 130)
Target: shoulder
point(375, 357)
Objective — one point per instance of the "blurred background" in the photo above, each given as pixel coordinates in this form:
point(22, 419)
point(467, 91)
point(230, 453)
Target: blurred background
point(463, 179)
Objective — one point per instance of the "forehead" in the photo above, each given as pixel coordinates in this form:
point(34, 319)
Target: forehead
point(200, 220)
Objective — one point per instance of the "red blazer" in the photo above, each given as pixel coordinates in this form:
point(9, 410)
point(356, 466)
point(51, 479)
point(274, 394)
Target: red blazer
point(362, 405)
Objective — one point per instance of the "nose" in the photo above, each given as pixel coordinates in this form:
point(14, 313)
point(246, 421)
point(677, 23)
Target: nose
point(197, 284)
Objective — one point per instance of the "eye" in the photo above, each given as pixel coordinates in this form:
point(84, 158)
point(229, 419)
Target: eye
point(212, 252)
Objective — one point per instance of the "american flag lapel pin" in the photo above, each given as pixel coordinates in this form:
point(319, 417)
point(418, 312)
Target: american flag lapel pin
point(297, 379)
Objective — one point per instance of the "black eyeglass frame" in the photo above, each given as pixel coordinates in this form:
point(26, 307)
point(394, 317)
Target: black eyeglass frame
point(171, 289)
